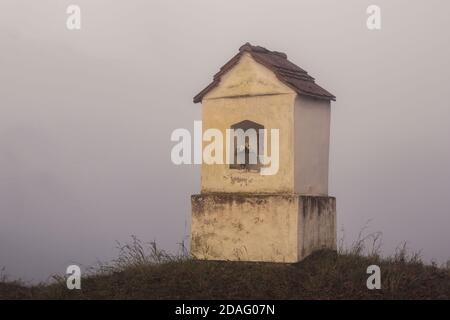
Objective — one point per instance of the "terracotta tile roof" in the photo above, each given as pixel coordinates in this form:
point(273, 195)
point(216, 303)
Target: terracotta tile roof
point(287, 72)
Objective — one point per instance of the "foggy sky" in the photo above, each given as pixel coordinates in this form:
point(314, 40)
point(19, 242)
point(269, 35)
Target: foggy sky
point(86, 118)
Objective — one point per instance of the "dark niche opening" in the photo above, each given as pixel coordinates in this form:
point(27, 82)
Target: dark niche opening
point(247, 143)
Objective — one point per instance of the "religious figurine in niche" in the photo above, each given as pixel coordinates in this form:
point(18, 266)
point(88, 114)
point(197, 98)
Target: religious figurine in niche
point(246, 154)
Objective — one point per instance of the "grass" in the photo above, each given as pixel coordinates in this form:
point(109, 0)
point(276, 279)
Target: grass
point(142, 271)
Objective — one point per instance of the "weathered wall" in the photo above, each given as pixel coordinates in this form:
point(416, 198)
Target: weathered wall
point(317, 224)
point(312, 143)
point(245, 227)
point(252, 227)
point(250, 92)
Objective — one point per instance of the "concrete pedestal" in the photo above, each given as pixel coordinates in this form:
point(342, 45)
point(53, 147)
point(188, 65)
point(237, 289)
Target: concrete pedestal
point(261, 227)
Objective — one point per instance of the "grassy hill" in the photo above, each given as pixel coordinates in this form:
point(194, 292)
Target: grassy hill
point(142, 273)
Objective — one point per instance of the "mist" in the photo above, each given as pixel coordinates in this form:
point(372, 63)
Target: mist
point(86, 118)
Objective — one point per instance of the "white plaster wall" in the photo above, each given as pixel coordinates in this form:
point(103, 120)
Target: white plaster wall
point(312, 143)
point(273, 112)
